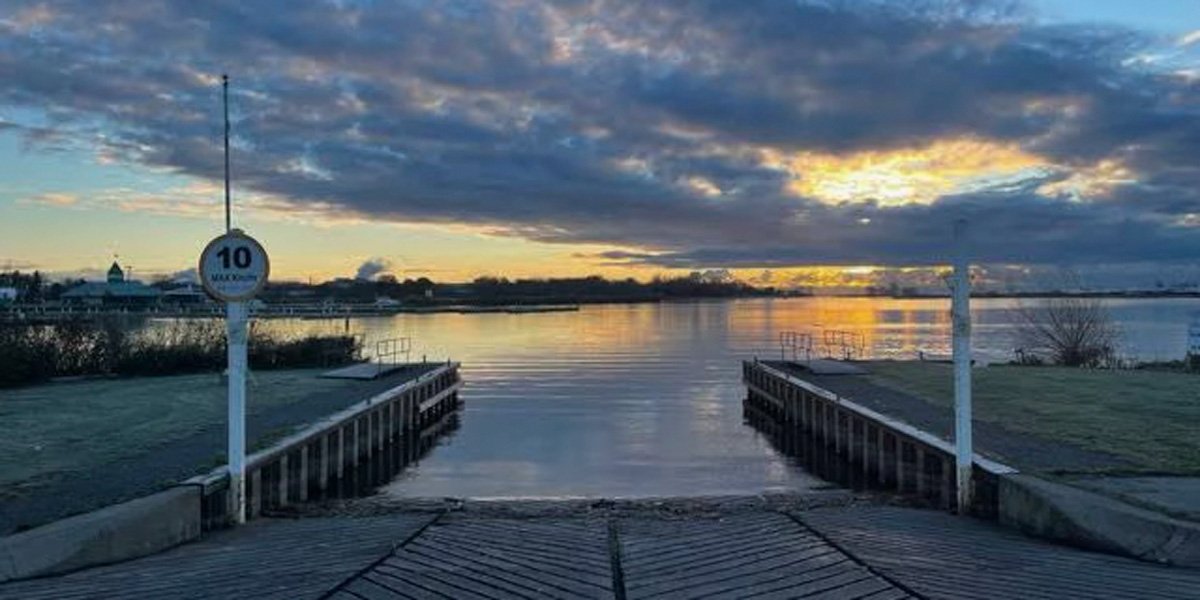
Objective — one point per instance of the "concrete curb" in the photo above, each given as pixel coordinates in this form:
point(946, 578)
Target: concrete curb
point(114, 533)
point(1088, 520)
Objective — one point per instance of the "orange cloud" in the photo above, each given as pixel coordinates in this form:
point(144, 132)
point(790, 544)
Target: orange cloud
point(916, 175)
point(54, 199)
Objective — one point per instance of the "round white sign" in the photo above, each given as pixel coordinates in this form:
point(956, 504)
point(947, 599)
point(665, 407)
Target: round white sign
point(234, 267)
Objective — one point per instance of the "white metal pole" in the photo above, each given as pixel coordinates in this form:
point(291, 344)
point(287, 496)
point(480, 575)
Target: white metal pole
point(961, 319)
point(235, 314)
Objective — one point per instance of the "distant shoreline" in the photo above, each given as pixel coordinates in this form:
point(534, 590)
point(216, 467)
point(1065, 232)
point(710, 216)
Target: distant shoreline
point(1117, 294)
point(42, 313)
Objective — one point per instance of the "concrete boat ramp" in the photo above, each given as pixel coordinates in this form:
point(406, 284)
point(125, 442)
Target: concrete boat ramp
point(747, 548)
point(363, 371)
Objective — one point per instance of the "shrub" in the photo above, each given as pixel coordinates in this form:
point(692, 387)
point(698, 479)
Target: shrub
point(111, 346)
point(1071, 331)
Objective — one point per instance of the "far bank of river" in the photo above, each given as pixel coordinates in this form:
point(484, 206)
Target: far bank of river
point(1152, 329)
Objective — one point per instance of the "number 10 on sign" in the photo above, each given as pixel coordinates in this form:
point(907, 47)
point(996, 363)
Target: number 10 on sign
point(233, 268)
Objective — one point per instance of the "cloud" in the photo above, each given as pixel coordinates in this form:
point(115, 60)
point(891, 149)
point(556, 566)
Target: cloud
point(188, 275)
point(372, 268)
point(54, 199)
point(1189, 38)
point(760, 133)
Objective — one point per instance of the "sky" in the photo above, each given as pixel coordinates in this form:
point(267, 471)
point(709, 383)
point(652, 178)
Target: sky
point(815, 143)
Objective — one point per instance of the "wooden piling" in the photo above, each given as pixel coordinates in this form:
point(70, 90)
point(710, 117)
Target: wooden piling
point(888, 452)
point(347, 445)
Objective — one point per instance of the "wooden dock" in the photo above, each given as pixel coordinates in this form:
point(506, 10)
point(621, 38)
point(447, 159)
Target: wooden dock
point(875, 552)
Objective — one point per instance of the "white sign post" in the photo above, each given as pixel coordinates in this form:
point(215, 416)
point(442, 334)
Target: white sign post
point(960, 312)
point(233, 268)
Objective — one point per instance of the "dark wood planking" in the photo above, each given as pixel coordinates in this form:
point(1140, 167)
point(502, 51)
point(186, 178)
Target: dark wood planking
point(943, 556)
point(469, 558)
point(875, 553)
point(284, 559)
point(757, 555)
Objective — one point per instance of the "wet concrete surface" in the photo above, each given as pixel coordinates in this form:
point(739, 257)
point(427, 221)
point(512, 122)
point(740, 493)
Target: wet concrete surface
point(1025, 451)
point(1176, 496)
point(174, 460)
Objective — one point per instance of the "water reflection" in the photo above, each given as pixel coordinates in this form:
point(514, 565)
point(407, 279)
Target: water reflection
point(1152, 328)
point(646, 399)
point(393, 458)
point(806, 452)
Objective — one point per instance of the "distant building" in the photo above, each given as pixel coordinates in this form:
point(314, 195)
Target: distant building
point(8, 295)
point(385, 302)
point(188, 294)
point(114, 291)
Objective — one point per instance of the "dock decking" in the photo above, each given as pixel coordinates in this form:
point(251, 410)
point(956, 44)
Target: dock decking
point(876, 552)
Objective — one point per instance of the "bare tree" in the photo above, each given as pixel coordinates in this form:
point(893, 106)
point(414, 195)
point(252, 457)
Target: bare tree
point(1071, 331)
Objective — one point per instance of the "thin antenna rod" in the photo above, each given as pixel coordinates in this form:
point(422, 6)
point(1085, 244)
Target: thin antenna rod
point(225, 95)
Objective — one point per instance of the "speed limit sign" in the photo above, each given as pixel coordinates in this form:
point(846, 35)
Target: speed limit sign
point(234, 267)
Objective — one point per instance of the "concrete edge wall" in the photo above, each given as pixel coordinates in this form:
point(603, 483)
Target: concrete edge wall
point(1050, 510)
point(114, 533)
point(1089, 520)
point(902, 457)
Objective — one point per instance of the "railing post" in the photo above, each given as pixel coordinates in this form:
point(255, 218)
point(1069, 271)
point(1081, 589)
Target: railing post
point(921, 483)
point(323, 466)
point(254, 501)
point(340, 465)
point(866, 449)
point(356, 447)
point(283, 479)
point(947, 483)
point(302, 487)
point(881, 453)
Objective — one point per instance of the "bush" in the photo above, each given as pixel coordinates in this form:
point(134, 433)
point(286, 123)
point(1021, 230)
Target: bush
point(1070, 331)
point(36, 353)
point(26, 355)
point(269, 352)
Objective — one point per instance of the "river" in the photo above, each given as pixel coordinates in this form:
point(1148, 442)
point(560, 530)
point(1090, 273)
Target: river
point(635, 400)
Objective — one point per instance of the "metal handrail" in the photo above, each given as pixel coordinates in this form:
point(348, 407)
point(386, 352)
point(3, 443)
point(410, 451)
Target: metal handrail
point(391, 349)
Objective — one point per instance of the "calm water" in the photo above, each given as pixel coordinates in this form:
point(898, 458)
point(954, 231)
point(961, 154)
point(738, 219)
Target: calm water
point(645, 400)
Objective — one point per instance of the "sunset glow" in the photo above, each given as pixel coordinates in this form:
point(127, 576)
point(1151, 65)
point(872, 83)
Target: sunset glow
point(918, 175)
point(520, 138)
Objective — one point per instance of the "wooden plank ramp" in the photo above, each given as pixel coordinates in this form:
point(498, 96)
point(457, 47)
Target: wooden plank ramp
point(494, 558)
point(858, 552)
point(939, 555)
point(264, 559)
point(761, 555)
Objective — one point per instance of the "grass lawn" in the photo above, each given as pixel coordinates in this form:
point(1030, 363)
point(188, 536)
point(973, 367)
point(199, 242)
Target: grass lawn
point(1149, 418)
point(48, 430)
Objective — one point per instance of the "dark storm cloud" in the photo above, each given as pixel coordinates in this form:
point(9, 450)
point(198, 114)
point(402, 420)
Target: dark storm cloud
point(1021, 228)
point(597, 121)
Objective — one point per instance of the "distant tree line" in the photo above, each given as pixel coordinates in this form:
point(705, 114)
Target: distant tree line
point(349, 290)
point(599, 289)
point(33, 288)
point(501, 290)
